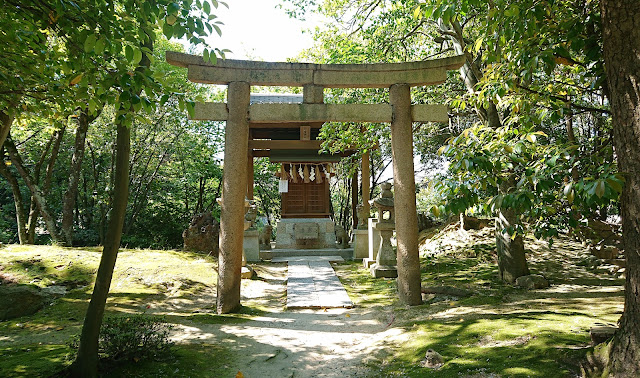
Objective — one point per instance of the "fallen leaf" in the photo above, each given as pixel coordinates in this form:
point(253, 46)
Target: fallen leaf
point(239, 375)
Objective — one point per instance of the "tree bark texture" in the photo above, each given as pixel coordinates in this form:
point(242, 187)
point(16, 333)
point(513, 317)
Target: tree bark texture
point(405, 195)
point(621, 40)
point(86, 361)
point(6, 121)
point(21, 216)
point(234, 188)
point(512, 262)
point(69, 201)
point(35, 191)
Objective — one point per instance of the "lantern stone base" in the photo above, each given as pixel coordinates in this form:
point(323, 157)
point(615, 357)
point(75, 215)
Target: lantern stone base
point(383, 271)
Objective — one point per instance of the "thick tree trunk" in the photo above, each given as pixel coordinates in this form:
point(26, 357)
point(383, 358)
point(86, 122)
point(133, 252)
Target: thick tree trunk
point(621, 38)
point(86, 361)
point(18, 201)
point(512, 262)
point(69, 201)
point(35, 191)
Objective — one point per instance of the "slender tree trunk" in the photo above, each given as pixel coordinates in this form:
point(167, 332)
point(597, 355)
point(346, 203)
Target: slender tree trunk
point(621, 38)
point(70, 195)
point(35, 191)
point(17, 200)
point(34, 214)
point(86, 361)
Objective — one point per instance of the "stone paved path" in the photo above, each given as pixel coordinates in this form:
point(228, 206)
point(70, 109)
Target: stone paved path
point(312, 283)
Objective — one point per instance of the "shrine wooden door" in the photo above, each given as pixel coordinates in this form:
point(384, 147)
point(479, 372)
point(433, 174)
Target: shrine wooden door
point(306, 200)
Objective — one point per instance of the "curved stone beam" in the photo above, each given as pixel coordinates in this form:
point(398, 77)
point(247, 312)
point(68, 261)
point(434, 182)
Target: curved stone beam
point(376, 75)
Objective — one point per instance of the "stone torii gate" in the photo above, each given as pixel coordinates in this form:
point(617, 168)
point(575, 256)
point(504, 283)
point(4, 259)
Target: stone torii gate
point(239, 115)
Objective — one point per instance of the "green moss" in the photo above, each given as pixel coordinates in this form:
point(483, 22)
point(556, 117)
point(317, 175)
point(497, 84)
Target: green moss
point(363, 289)
point(200, 360)
point(33, 360)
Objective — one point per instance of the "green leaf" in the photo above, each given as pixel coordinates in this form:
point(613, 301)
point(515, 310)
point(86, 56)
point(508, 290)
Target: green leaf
point(137, 56)
point(167, 30)
point(600, 187)
point(128, 53)
point(173, 8)
point(99, 46)
point(218, 30)
point(90, 42)
point(205, 55)
point(615, 185)
point(206, 7)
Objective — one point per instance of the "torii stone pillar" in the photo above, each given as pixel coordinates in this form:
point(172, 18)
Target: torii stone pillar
point(234, 188)
point(405, 195)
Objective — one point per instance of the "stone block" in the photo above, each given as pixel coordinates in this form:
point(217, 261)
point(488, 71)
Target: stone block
point(251, 246)
point(306, 231)
point(532, 281)
point(382, 271)
point(374, 239)
point(360, 244)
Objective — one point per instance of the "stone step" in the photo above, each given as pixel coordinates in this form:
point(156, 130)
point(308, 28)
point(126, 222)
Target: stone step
point(346, 253)
point(314, 284)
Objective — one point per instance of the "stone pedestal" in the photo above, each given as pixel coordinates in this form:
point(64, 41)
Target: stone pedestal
point(360, 244)
point(373, 243)
point(250, 245)
point(305, 233)
point(385, 265)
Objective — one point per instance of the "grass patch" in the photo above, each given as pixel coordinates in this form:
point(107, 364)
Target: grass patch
point(33, 360)
point(199, 360)
point(362, 288)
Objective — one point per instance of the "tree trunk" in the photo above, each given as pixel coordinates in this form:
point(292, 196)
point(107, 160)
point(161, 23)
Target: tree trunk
point(512, 262)
point(511, 258)
point(35, 191)
point(18, 201)
point(71, 193)
point(34, 214)
point(5, 125)
point(86, 361)
point(621, 39)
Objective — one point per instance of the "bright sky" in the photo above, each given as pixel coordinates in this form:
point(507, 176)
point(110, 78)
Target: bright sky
point(257, 30)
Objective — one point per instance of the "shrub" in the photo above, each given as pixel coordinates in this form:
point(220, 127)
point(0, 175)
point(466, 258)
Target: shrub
point(134, 337)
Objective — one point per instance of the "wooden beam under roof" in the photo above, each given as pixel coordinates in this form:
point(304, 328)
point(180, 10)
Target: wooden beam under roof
point(263, 144)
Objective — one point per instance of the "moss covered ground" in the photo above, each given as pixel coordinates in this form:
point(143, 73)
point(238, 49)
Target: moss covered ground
point(498, 331)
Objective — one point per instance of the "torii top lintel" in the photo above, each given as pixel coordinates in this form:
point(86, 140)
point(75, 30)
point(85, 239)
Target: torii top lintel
point(378, 75)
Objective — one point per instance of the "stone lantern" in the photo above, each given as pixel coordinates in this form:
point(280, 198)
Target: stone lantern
point(386, 263)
